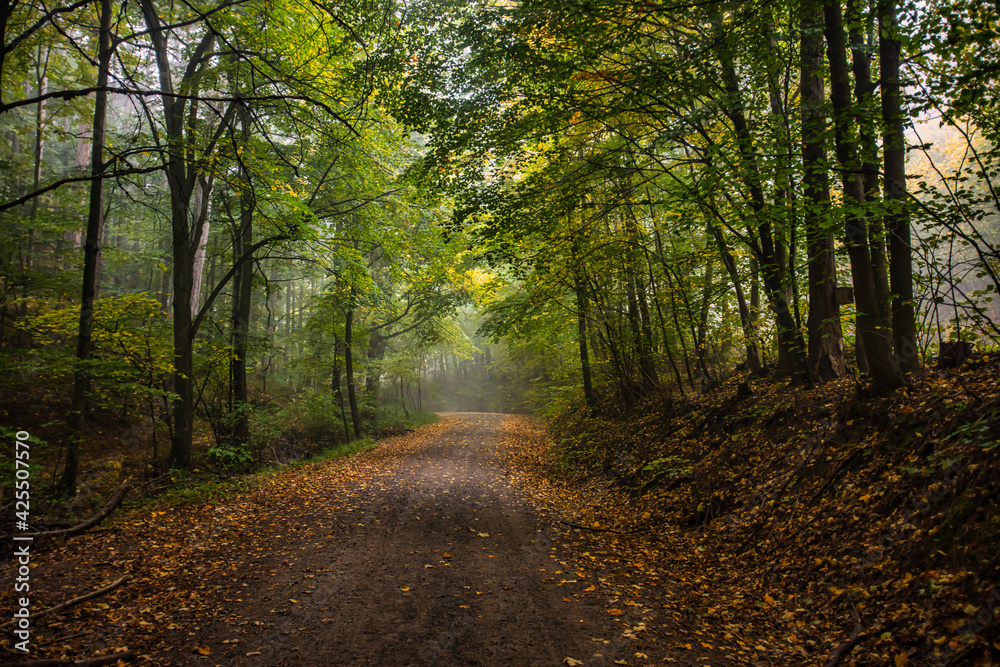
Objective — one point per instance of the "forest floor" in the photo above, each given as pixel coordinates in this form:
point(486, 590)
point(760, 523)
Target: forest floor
point(436, 548)
point(759, 523)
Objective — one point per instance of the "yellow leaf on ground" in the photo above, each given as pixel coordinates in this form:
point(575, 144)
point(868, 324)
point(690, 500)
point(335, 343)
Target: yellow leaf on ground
point(615, 612)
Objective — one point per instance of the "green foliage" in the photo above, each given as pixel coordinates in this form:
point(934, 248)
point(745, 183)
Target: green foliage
point(981, 433)
point(417, 419)
point(131, 349)
point(670, 466)
point(194, 489)
point(348, 449)
point(314, 415)
point(39, 451)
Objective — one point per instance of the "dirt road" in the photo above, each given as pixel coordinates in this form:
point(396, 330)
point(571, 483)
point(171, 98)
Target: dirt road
point(433, 558)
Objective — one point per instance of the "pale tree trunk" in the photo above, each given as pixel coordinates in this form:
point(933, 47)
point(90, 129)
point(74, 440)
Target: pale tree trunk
point(91, 258)
point(201, 207)
point(42, 83)
point(701, 337)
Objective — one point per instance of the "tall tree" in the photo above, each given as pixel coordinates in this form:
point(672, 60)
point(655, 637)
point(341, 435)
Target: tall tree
point(91, 252)
point(826, 347)
point(897, 225)
point(875, 338)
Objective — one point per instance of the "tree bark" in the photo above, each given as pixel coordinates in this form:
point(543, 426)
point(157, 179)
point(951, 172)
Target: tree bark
point(701, 336)
point(91, 258)
point(826, 344)
point(897, 218)
point(775, 284)
point(352, 395)
point(338, 394)
point(875, 343)
point(746, 320)
point(864, 95)
point(182, 179)
point(201, 209)
point(579, 287)
point(242, 293)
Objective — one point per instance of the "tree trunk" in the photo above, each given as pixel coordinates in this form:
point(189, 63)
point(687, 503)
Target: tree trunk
point(701, 336)
point(376, 352)
point(775, 284)
point(91, 258)
point(338, 395)
point(864, 95)
point(242, 295)
point(352, 396)
point(201, 208)
point(826, 344)
point(42, 83)
point(182, 179)
point(897, 218)
point(581, 321)
point(875, 348)
point(746, 320)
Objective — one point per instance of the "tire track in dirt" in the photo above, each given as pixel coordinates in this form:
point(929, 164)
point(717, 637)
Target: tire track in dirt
point(433, 559)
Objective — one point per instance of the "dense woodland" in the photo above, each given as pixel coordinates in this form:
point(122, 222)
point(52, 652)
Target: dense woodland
point(744, 256)
point(231, 224)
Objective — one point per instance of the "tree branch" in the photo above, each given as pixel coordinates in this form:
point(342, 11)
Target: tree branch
point(116, 500)
point(72, 603)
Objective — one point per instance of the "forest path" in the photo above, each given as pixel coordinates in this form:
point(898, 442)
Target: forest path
point(430, 558)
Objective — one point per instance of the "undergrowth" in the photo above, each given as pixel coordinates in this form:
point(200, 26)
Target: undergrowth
point(824, 498)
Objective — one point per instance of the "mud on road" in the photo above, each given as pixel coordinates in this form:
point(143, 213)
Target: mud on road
point(423, 551)
point(436, 559)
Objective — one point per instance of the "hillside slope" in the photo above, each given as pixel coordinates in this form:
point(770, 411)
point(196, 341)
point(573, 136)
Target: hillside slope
point(818, 522)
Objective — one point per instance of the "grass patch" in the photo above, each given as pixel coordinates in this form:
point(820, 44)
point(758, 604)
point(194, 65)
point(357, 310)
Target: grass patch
point(190, 490)
point(418, 419)
point(198, 489)
point(340, 451)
